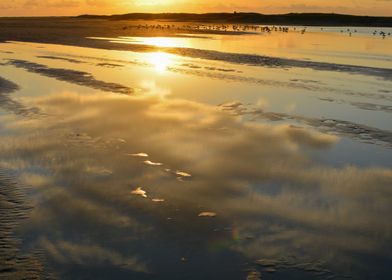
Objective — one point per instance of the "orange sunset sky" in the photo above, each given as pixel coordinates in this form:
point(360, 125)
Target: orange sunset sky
point(76, 7)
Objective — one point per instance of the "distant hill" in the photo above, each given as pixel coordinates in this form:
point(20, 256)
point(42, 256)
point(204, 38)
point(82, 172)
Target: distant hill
point(311, 19)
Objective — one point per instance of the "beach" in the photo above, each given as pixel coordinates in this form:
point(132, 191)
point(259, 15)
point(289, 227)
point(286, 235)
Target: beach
point(183, 150)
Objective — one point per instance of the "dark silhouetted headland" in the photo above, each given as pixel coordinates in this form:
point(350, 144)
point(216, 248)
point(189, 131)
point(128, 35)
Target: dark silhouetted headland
point(311, 19)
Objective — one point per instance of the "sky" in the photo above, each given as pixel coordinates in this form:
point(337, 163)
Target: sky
point(77, 7)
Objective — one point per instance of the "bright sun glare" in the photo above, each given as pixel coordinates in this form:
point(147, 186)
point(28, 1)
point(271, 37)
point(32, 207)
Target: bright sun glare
point(161, 61)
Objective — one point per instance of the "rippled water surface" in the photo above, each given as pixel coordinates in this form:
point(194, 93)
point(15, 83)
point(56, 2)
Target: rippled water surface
point(259, 156)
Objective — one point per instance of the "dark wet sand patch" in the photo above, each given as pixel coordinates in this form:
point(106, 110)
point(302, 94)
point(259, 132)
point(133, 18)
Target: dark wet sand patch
point(10, 104)
point(209, 68)
point(219, 69)
point(307, 81)
point(361, 105)
point(355, 131)
point(70, 76)
point(373, 107)
point(61, 58)
point(109, 65)
point(76, 61)
point(291, 266)
point(192, 66)
point(327, 99)
point(7, 86)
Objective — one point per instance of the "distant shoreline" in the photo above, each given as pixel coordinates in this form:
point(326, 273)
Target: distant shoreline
point(309, 19)
point(290, 19)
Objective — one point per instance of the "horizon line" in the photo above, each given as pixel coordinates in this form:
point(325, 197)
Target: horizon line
point(196, 13)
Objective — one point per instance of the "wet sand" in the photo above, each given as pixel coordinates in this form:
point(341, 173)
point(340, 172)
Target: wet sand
point(150, 162)
point(14, 208)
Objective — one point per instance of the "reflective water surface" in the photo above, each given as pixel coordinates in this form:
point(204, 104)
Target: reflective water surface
point(127, 165)
point(325, 44)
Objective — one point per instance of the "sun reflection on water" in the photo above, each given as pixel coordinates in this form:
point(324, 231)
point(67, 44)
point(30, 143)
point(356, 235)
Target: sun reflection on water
point(161, 42)
point(160, 60)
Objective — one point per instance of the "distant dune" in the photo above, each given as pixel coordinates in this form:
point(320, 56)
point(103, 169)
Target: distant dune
point(311, 19)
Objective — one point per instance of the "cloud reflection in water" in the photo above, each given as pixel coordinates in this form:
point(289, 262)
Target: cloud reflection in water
point(271, 197)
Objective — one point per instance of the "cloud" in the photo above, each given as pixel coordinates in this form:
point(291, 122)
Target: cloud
point(51, 3)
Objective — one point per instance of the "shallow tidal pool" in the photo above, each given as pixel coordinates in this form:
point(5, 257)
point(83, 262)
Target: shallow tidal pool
point(219, 157)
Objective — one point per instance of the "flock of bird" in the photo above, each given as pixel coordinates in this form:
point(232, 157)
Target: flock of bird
point(238, 28)
point(381, 33)
point(203, 27)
